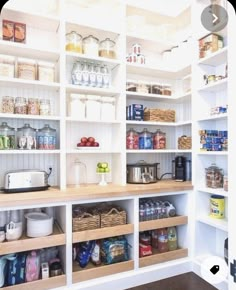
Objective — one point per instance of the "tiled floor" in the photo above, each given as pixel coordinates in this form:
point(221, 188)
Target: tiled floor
point(188, 281)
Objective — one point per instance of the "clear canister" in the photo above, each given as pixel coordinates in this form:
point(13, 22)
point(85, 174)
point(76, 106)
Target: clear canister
point(131, 85)
point(90, 45)
point(108, 110)
point(21, 106)
point(8, 104)
point(159, 140)
point(132, 139)
point(46, 71)
point(157, 89)
point(7, 137)
point(77, 107)
point(93, 107)
point(107, 48)
point(143, 87)
point(167, 91)
point(74, 42)
point(26, 69)
point(46, 137)
point(33, 106)
point(214, 176)
point(7, 66)
point(26, 137)
point(145, 139)
point(45, 107)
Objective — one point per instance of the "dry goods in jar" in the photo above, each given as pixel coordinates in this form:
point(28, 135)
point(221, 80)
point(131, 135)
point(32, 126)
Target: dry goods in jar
point(107, 48)
point(46, 71)
point(214, 176)
point(90, 45)
point(46, 138)
point(209, 44)
point(21, 106)
point(74, 42)
point(132, 139)
point(8, 104)
point(45, 107)
point(159, 140)
point(26, 69)
point(33, 106)
point(7, 137)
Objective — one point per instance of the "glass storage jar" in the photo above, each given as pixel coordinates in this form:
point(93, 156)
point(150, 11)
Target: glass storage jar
point(7, 137)
point(45, 107)
point(77, 107)
point(46, 71)
point(7, 66)
point(21, 106)
point(26, 69)
point(76, 73)
point(132, 139)
point(8, 104)
point(80, 173)
point(145, 139)
point(33, 106)
point(107, 48)
point(74, 42)
point(131, 86)
point(214, 176)
point(90, 45)
point(93, 107)
point(157, 89)
point(26, 137)
point(143, 87)
point(159, 140)
point(167, 90)
point(108, 112)
point(47, 138)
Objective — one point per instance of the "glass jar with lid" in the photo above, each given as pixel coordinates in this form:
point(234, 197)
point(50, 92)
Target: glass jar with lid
point(80, 173)
point(93, 107)
point(159, 140)
point(33, 106)
point(107, 48)
point(21, 106)
point(157, 89)
point(90, 45)
point(145, 139)
point(132, 139)
point(26, 69)
point(167, 89)
point(74, 42)
point(108, 112)
point(77, 106)
point(7, 137)
point(77, 73)
point(8, 104)
point(26, 137)
point(46, 137)
point(7, 66)
point(46, 71)
point(45, 107)
point(214, 176)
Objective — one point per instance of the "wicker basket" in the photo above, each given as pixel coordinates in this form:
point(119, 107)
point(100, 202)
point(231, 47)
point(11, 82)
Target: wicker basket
point(113, 218)
point(184, 142)
point(159, 115)
point(86, 222)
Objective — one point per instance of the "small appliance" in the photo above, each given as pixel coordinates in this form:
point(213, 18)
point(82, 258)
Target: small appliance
point(142, 172)
point(187, 170)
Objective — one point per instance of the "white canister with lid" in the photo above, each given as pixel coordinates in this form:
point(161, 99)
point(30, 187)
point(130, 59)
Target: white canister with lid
point(108, 112)
point(77, 107)
point(93, 107)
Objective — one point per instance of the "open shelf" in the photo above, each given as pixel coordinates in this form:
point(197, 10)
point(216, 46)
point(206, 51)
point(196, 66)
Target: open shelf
point(92, 272)
point(25, 243)
point(92, 91)
point(102, 233)
point(215, 191)
point(150, 123)
point(30, 117)
point(72, 119)
point(33, 151)
point(212, 153)
point(221, 224)
point(157, 257)
point(216, 58)
point(214, 87)
point(153, 151)
point(155, 97)
point(95, 151)
point(222, 116)
point(162, 223)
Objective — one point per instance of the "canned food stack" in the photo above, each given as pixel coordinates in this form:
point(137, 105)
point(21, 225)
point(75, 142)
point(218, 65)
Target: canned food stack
point(135, 56)
point(213, 140)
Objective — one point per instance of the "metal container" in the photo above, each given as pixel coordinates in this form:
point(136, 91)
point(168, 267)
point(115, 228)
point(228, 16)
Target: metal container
point(142, 172)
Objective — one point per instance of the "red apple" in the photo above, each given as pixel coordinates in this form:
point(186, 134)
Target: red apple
point(88, 144)
point(84, 140)
point(96, 144)
point(91, 139)
point(82, 144)
point(79, 144)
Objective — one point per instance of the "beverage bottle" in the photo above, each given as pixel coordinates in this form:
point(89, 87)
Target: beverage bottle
point(172, 238)
point(76, 74)
point(92, 75)
point(147, 211)
point(98, 71)
point(162, 240)
point(85, 74)
point(152, 210)
point(158, 210)
point(106, 77)
point(141, 213)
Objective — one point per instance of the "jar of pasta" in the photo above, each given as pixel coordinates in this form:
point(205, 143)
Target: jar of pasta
point(21, 106)
point(26, 69)
point(45, 107)
point(46, 71)
point(8, 104)
point(33, 106)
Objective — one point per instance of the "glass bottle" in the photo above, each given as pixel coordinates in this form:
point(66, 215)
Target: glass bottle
point(80, 172)
point(162, 240)
point(46, 138)
point(7, 137)
point(106, 77)
point(172, 238)
point(85, 74)
point(76, 73)
point(99, 77)
point(141, 213)
point(92, 75)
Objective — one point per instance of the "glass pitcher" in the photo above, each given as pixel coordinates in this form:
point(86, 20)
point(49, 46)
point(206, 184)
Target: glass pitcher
point(80, 173)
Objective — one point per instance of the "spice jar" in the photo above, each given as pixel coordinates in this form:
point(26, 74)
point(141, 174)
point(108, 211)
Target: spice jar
point(167, 89)
point(214, 176)
point(46, 71)
point(90, 45)
point(74, 42)
point(45, 107)
point(108, 112)
point(7, 66)
point(132, 139)
point(26, 137)
point(8, 105)
point(33, 106)
point(159, 140)
point(93, 107)
point(107, 48)
point(46, 138)
point(77, 107)
point(7, 137)
point(21, 106)
point(26, 69)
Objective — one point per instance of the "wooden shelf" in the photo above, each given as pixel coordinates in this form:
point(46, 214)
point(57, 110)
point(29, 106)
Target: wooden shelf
point(102, 233)
point(157, 257)
point(50, 283)
point(92, 272)
point(162, 223)
point(25, 243)
point(217, 58)
point(30, 117)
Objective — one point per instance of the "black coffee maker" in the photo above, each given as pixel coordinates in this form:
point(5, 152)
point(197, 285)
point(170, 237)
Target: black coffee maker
point(180, 168)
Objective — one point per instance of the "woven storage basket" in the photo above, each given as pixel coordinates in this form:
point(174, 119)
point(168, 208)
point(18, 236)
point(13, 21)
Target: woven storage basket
point(113, 218)
point(159, 115)
point(184, 142)
point(86, 222)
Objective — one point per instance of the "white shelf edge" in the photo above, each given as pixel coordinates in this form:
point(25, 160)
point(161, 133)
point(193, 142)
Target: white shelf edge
point(221, 153)
point(213, 55)
point(169, 124)
point(72, 119)
point(29, 82)
point(213, 85)
point(76, 88)
point(153, 151)
point(217, 223)
point(16, 152)
point(156, 41)
point(30, 117)
point(156, 96)
point(217, 191)
point(98, 151)
point(214, 117)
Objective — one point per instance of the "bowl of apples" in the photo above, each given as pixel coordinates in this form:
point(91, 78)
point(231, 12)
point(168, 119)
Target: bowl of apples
point(102, 169)
point(88, 143)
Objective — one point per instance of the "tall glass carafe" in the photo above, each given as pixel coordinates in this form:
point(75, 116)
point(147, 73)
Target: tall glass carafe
point(80, 173)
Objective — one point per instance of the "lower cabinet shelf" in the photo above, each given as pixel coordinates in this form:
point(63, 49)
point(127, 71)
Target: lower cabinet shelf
point(53, 282)
point(92, 272)
point(157, 257)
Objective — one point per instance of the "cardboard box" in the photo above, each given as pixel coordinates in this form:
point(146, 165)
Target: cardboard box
point(7, 30)
point(20, 32)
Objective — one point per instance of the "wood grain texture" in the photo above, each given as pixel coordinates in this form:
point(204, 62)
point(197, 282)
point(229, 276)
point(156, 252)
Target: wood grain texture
point(163, 223)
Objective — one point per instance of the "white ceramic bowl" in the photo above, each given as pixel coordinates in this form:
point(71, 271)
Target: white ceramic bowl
point(39, 224)
point(14, 232)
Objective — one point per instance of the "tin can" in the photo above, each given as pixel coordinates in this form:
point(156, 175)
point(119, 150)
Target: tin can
point(136, 48)
point(133, 58)
point(217, 206)
point(140, 59)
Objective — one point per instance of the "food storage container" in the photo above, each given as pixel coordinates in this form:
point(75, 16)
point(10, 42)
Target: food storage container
point(26, 137)
point(167, 89)
point(107, 48)
point(45, 107)
point(136, 48)
point(77, 106)
point(8, 104)
point(132, 139)
point(93, 107)
point(209, 44)
point(46, 71)
point(145, 139)
point(38, 224)
point(90, 45)
point(33, 106)
point(214, 176)
point(157, 89)
point(74, 42)
point(143, 87)
point(7, 66)
point(7, 137)
point(47, 138)
point(225, 183)
point(21, 106)
point(159, 140)
point(131, 86)
point(217, 206)
point(26, 69)
point(108, 112)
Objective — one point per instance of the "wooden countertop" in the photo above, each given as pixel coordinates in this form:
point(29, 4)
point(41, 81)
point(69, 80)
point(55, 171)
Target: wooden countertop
point(94, 191)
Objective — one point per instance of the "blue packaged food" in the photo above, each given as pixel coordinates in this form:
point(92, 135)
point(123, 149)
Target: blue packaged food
point(84, 253)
